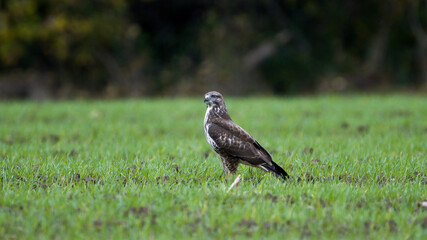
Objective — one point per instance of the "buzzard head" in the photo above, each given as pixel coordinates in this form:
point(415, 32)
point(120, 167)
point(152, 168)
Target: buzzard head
point(214, 99)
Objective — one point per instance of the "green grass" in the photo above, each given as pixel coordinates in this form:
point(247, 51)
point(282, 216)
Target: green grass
point(142, 169)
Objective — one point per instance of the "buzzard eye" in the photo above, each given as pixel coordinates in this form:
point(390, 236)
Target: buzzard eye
point(215, 96)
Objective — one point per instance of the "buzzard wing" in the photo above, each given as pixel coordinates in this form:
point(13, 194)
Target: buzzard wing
point(233, 140)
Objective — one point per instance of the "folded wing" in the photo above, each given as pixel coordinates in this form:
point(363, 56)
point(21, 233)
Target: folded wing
point(236, 142)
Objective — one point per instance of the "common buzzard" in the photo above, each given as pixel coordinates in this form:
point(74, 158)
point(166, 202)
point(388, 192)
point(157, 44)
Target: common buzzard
point(233, 144)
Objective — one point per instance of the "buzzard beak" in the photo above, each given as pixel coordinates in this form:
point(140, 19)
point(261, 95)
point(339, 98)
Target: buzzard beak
point(206, 99)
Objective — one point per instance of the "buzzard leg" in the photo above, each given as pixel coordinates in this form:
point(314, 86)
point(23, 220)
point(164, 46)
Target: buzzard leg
point(230, 166)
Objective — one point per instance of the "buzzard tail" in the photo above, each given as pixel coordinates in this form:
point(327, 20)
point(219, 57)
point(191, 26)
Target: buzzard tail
point(275, 169)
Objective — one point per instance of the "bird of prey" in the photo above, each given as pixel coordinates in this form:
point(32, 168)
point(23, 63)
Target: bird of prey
point(233, 144)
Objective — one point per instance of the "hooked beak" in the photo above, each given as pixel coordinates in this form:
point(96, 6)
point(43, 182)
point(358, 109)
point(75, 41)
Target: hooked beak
point(206, 99)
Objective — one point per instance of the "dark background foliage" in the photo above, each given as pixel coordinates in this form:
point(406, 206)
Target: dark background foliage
point(114, 48)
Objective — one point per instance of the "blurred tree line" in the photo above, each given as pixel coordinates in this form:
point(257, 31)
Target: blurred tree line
point(66, 48)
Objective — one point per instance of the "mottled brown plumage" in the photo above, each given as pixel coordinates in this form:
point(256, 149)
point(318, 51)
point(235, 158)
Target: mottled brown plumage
point(231, 142)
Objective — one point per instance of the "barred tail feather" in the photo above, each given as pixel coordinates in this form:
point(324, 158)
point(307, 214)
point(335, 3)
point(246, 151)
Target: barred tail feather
point(275, 169)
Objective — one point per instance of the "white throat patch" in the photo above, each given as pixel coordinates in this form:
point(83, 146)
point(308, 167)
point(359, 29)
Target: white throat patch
point(206, 128)
point(207, 114)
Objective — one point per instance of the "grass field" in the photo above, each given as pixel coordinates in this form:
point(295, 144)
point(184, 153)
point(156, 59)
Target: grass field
point(142, 169)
